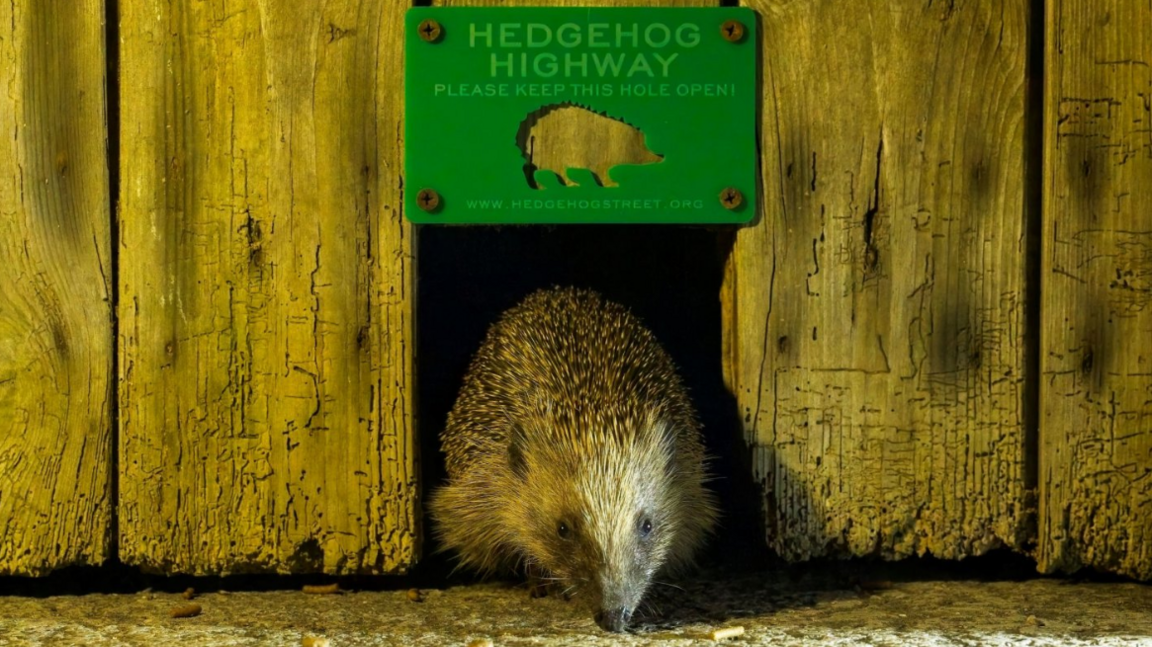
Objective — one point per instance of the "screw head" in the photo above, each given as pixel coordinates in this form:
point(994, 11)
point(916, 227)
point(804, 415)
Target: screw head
point(732, 31)
point(428, 200)
point(429, 30)
point(731, 198)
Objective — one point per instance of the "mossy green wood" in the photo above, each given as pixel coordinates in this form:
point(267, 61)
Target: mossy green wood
point(474, 90)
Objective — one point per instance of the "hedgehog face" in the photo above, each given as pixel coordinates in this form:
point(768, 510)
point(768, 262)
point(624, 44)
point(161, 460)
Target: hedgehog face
point(604, 523)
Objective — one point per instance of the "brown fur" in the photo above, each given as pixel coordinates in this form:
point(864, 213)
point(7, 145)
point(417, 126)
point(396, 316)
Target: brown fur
point(572, 413)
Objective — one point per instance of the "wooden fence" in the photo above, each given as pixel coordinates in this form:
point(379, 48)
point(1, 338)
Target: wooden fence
point(938, 330)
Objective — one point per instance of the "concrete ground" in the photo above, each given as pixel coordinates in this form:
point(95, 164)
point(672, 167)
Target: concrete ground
point(779, 609)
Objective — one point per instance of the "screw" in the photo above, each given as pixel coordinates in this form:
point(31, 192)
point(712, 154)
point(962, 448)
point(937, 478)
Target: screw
point(731, 198)
point(428, 200)
point(732, 30)
point(429, 30)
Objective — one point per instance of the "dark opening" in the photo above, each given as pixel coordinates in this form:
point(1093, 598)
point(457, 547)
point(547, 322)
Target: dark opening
point(668, 276)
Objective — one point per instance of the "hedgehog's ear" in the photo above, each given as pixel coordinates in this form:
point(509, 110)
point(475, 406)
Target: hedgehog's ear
point(516, 442)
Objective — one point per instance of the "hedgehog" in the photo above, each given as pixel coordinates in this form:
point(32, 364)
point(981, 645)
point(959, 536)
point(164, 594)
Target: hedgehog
point(549, 140)
point(575, 456)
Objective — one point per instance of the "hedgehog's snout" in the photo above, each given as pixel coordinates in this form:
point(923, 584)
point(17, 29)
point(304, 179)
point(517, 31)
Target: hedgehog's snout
point(614, 619)
point(617, 601)
point(650, 157)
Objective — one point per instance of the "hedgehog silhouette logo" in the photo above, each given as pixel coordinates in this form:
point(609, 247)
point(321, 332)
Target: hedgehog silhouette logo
point(567, 136)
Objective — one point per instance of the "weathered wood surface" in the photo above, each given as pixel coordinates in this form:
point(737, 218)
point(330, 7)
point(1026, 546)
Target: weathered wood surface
point(875, 315)
point(602, 142)
point(55, 289)
point(1096, 392)
point(266, 289)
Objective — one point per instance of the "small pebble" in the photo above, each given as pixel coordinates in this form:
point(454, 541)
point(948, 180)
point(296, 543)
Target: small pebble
point(186, 611)
point(1034, 621)
point(316, 641)
point(322, 589)
point(480, 642)
point(414, 595)
point(726, 632)
point(189, 593)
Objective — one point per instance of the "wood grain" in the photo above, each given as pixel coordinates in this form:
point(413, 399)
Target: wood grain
point(875, 315)
point(598, 143)
point(1096, 391)
point(267, 307)
point(55, 289)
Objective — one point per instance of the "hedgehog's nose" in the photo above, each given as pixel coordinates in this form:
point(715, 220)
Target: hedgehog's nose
point(615, 620)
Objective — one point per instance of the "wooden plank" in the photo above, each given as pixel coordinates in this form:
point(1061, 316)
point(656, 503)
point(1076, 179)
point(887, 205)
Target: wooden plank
point(267, 306)
point(55, 289)
point(875, 314)
point(1096, 360)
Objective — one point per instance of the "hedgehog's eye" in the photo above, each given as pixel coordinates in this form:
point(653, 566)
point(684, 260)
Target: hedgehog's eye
point(563, 530)
point(645, 527)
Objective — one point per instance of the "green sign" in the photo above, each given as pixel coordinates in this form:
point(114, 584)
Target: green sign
point(580, 115)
